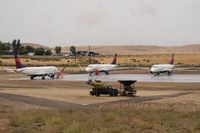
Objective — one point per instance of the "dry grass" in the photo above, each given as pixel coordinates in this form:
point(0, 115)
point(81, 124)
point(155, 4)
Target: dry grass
point(9, 106)
point(129, 60)
point(114, 120)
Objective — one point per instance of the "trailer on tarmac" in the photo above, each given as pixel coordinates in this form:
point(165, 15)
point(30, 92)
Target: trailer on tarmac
point(127, 87)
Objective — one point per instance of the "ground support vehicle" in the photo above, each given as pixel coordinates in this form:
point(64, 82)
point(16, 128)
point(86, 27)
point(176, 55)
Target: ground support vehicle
point(99, 88)
point(127, 88)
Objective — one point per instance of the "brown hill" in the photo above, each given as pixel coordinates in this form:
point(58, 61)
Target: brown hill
point(188, 48)
point(139, 49)
point(130, 49)
point(34, 45)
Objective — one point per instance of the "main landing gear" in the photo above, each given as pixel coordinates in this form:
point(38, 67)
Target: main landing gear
point(156, 74)
point(106, 72)
point(169, 73)
point(52, 76)
point(43, 77)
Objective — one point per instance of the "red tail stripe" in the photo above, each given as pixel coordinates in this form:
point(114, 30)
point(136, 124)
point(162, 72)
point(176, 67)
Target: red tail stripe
point(18, 63)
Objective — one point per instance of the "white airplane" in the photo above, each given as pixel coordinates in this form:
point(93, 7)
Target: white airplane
point(50, 71)
point(163, 68)
point(105, 68)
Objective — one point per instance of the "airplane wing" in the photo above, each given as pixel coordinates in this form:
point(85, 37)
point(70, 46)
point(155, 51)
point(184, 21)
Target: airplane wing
point(143, 68)
point(176, 67)
point(129, 68)
point(81, 69)
point(10, 70)
point(185, 68)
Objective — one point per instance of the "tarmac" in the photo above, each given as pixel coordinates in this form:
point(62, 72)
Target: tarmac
point(138, 77)
point(190, 78)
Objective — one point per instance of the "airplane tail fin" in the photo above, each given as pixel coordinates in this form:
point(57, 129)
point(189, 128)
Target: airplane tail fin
point(63, 69)
point(18, 62)
point(114, 60)
point(172, 59)
point(60, 74)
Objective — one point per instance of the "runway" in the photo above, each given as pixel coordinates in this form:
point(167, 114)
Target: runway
point(138, 77)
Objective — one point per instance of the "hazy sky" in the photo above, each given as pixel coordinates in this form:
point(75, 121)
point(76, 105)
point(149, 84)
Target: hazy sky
point(94, 22)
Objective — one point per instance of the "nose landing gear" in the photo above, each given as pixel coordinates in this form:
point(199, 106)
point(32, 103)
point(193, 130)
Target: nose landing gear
point(156, 74)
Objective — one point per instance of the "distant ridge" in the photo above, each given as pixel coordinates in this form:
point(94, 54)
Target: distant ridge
point(130, 49)
point(140, 49)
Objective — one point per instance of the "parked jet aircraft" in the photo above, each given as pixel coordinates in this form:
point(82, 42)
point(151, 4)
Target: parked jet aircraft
point(50, 71)
point(105, 68)
point(163, 68)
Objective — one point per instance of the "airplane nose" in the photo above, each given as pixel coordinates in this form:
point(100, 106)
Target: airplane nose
point(152, 70)
point(87, 69)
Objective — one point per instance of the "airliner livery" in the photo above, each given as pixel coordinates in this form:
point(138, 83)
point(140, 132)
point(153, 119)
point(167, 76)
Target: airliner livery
point(105, 68)
point(50, 71)
point(163, 68)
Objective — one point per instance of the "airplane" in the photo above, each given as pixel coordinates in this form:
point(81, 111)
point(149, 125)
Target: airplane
point(50, 71)
point(105, 68)
point(163, 68)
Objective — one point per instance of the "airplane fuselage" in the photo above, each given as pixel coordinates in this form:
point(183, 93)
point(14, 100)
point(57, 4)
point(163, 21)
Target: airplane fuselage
point(162, 68)
point(100, 67)
point(38, 71)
